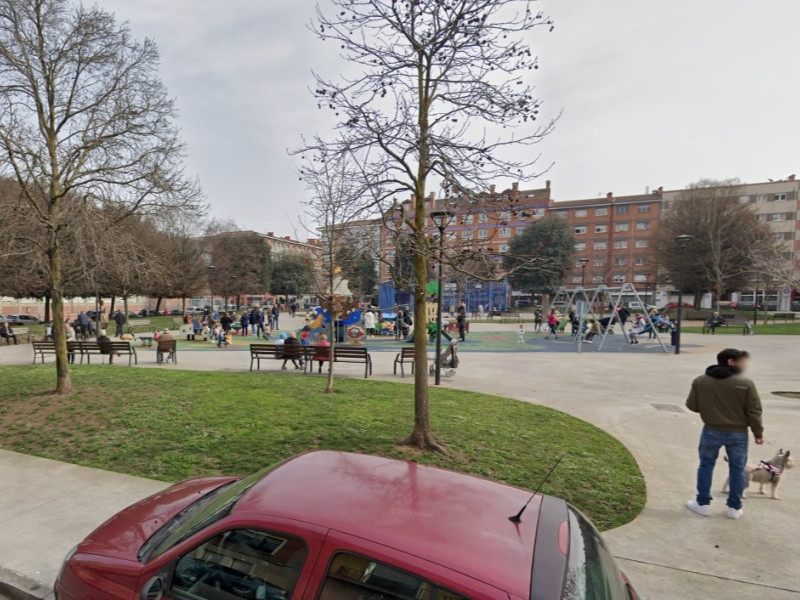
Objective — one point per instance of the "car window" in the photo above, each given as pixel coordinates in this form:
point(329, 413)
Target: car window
point(241, 563)
point(591, 571)
point(352, 577)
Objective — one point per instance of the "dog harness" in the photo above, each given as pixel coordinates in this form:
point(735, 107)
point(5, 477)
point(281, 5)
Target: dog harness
point(773, 470)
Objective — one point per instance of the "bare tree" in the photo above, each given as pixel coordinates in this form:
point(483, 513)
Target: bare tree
point(439, 94)
point(727, 237)
point(337, 200)
point(84, 119)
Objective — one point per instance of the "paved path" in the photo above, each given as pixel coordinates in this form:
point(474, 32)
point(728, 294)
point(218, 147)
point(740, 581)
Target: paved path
point(668, 552)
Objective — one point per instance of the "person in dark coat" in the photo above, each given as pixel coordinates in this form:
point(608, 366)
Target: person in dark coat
point(119, 320)
point(461, 321)
point(245, 323)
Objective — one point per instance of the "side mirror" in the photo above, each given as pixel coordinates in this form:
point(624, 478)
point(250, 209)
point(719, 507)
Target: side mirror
point(153, 589)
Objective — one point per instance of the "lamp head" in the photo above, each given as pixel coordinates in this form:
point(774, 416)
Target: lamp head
point(442, 218)
point(683, 240)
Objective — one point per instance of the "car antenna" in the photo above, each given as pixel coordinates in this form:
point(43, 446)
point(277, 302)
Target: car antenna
point(517, 518)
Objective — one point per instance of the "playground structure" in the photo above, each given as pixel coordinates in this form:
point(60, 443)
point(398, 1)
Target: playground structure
point(592, 302)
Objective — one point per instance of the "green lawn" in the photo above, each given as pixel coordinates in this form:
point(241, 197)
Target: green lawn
point(171, 425)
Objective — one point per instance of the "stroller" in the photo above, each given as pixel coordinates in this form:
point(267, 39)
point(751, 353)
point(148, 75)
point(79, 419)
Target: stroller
point(448, 359)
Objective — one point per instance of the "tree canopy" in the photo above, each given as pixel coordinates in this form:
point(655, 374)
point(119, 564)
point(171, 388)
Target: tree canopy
point(292, 275)
point(540, 258)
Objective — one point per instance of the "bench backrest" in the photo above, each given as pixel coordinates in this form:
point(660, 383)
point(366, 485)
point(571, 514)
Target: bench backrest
point(407, 354)
point(45, 346)
point(120, 346)
point(92, 346)
point(167, 345)
point(293, 350)
point(322, 352)
point(777, 316)
point(345, 352)
point(22, 330)
point(263, 349)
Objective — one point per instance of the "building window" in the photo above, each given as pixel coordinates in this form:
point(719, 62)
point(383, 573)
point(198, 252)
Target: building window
point(600, 228)
point(520, 230)
point(622, 210)
point(451, 235)
point(642, 244)
point(505, 232)
point(779, 197)
point(505, 216)
point(782, 237)
point(619, 261)
point(580, 246)
point(643, 208)
point(600, 245)
point(504, 248)
point(744, 199)
point(469, 219)
point(466, 234)
point(599, 262)
point(482, 234)
point(483, 218)
point(763, 218)
point(620, 244)
point(597, 279)
point(580, 230)
point(779, 217)
point(619, 278)
point(581, 212)
point(641, 260)
point(642, 226)
point(600, 212)
point(561, 214)
point(577, 279)
point(762, 198)
point(621, 227)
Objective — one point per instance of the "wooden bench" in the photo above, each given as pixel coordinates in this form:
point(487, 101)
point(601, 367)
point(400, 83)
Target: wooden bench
point(166, 350)
point(42, 349)
point(259, 352)
point(354, 354)
point(405, 356)
point(22, 332)
point(121, 349)
point(89, 349)
point(785, 317)
point(320, 354)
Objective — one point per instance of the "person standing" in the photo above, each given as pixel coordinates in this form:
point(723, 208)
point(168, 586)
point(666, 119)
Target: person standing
point(461, 322)
point(276, 313)
point(552, 324)
point(119, 320)
point(369, 322)
point(728, 404)
point(537, 319)
point(103, 320)
point(83, 324)
point(245, 323)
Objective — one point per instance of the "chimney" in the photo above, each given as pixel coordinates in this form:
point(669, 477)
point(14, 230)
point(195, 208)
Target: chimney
point(547, 184)
point(659, 192)
point(792, 177)
point(288, 237)
point(271, 234)
point(515, 186)
point(610, 196)
point(492, 189)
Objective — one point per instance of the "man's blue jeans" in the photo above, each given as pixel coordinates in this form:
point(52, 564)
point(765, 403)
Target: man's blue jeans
point(735, 443)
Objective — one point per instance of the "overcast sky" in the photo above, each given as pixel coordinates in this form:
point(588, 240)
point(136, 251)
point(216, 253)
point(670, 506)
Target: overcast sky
point(652, 93)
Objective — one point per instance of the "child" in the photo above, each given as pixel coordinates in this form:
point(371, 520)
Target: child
point(552, 323)
point(305, 335)
point(521, 334)
point(322, 343)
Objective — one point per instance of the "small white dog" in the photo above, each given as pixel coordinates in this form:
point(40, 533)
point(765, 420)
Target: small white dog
point(765, 472)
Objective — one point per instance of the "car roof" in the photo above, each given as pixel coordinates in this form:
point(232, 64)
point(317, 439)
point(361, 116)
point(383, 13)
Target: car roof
point(454, 520)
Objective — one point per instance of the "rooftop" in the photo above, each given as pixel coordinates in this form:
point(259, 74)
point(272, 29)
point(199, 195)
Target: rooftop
point(457, 521)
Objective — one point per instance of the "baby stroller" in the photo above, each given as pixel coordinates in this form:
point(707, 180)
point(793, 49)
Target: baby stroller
point(448, 359)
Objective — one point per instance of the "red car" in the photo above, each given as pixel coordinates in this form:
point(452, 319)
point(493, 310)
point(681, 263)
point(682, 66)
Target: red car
point(338, 526)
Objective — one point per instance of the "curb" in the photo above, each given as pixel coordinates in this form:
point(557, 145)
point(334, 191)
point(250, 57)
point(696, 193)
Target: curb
point(19, 587)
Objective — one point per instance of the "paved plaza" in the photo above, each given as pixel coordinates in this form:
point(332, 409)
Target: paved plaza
point(636, 393)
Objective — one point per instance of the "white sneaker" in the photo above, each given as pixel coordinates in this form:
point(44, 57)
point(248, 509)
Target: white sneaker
point(735, 513)
point(693, 506)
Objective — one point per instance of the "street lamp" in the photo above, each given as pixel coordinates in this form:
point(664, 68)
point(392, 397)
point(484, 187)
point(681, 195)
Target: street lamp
point(211, 270)
point(682, 241)
point(583, 262)
point(441, 218)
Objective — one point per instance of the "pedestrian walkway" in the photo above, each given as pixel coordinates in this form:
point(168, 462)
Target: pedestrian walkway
point(669, 553)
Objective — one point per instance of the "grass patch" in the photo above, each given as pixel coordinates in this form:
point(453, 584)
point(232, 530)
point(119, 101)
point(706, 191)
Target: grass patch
point(760, 329)
point(171, 425)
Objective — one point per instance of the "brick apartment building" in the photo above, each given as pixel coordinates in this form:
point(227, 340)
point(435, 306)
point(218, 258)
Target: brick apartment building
point(613, 235)
point(490, 221)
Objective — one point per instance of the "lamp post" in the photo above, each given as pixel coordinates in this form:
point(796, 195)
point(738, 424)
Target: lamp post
point(211, 270)
point(583, 262)
point(682, 241)
point(647, 289)
point(755, 305)
point(441, 218)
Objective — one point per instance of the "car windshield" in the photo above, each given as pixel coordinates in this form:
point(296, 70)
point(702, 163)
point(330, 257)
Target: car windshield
point(591, 571)
point(197, 516)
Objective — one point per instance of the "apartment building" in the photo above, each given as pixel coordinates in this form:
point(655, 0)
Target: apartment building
point(612, 237)
point(280, 246)
point(487, 221)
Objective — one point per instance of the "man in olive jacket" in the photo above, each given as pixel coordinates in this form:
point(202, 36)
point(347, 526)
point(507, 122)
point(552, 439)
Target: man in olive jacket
point(728, 404)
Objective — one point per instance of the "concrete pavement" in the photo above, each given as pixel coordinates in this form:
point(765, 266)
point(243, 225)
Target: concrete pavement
point(637, 397)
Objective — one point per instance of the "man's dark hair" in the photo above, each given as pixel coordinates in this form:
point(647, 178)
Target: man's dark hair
point(731, 354)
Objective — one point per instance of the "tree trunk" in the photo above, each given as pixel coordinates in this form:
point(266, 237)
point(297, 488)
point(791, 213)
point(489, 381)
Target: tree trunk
point(158, 304)
point(47, 307)
point(63, 381)
point(334, 340)
point(111, 305)
point(183, 304)
point(125, 307)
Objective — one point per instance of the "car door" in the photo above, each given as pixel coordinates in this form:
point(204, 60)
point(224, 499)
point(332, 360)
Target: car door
point(351, 568)
point(241, 559)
